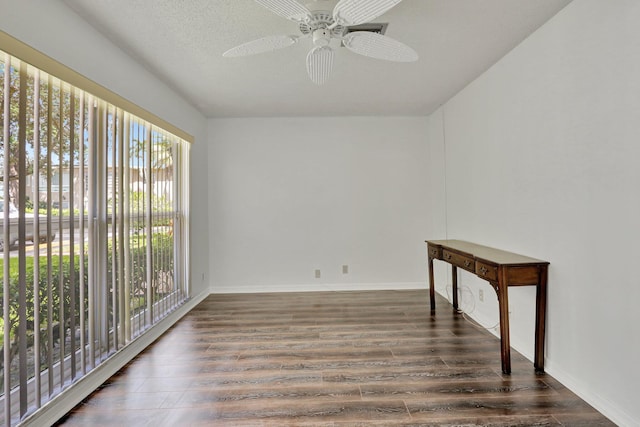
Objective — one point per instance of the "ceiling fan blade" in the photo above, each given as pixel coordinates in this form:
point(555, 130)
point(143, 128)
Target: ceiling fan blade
point(319, 64)
point(356, 12)
point(265, 44)
point(378, 46)
point(289, 9)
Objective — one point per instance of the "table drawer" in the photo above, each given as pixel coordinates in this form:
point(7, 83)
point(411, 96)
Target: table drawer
point(435, 251)
point(486, 271)
point(459, 260)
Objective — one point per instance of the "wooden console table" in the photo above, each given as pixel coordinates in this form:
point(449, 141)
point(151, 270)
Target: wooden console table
point(501, 269)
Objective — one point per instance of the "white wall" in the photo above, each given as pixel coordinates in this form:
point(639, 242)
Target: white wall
point(55, 30)
point(292, 195)
point(543, 158)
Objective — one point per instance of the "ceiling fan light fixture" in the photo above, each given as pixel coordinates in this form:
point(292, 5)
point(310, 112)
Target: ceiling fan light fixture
point(321, 37)
point(319, 64)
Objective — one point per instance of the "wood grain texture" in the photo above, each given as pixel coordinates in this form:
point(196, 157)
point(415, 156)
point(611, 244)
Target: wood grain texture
point(332, 359)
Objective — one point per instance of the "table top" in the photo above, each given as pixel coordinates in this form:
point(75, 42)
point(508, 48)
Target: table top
point(487, 253)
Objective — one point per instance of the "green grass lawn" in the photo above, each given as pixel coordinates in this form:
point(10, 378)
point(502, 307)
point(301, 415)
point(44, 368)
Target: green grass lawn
point(162, 245)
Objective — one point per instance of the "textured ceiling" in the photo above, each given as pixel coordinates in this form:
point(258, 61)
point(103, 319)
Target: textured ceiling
point(182, 41)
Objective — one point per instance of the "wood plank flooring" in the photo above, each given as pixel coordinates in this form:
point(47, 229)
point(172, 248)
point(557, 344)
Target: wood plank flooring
point(332, 359)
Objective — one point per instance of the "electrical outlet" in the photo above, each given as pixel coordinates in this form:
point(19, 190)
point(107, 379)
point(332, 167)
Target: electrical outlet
point(317, 274)
point(481, 294)
point(345, 269)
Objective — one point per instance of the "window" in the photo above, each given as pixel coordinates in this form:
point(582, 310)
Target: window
point(93, 241)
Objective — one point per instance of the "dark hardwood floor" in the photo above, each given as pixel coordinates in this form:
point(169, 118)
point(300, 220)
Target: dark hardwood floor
point(374, 358)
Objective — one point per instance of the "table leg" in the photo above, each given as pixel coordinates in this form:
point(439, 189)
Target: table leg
point(505, 345)
point(454, 286)
point(432, 292)
point(541, 309)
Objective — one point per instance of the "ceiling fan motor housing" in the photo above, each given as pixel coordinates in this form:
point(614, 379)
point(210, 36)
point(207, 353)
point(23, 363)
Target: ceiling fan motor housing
point(321, 37)
point(322, 19)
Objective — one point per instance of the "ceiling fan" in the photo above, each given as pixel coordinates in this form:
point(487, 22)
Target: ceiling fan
point(316, 21)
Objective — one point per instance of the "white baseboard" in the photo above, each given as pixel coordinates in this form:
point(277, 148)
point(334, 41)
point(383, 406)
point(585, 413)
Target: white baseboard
point(57, 407)
point(606, 407)
point(316, 287)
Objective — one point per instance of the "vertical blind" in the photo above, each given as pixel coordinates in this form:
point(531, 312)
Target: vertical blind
point(93, 239)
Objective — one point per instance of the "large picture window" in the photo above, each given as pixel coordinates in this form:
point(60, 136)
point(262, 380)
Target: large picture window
point(93, 213)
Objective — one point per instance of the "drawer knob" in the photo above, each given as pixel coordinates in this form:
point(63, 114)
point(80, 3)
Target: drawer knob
point(467, 263)
point(483, 270)
point(447, 256)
